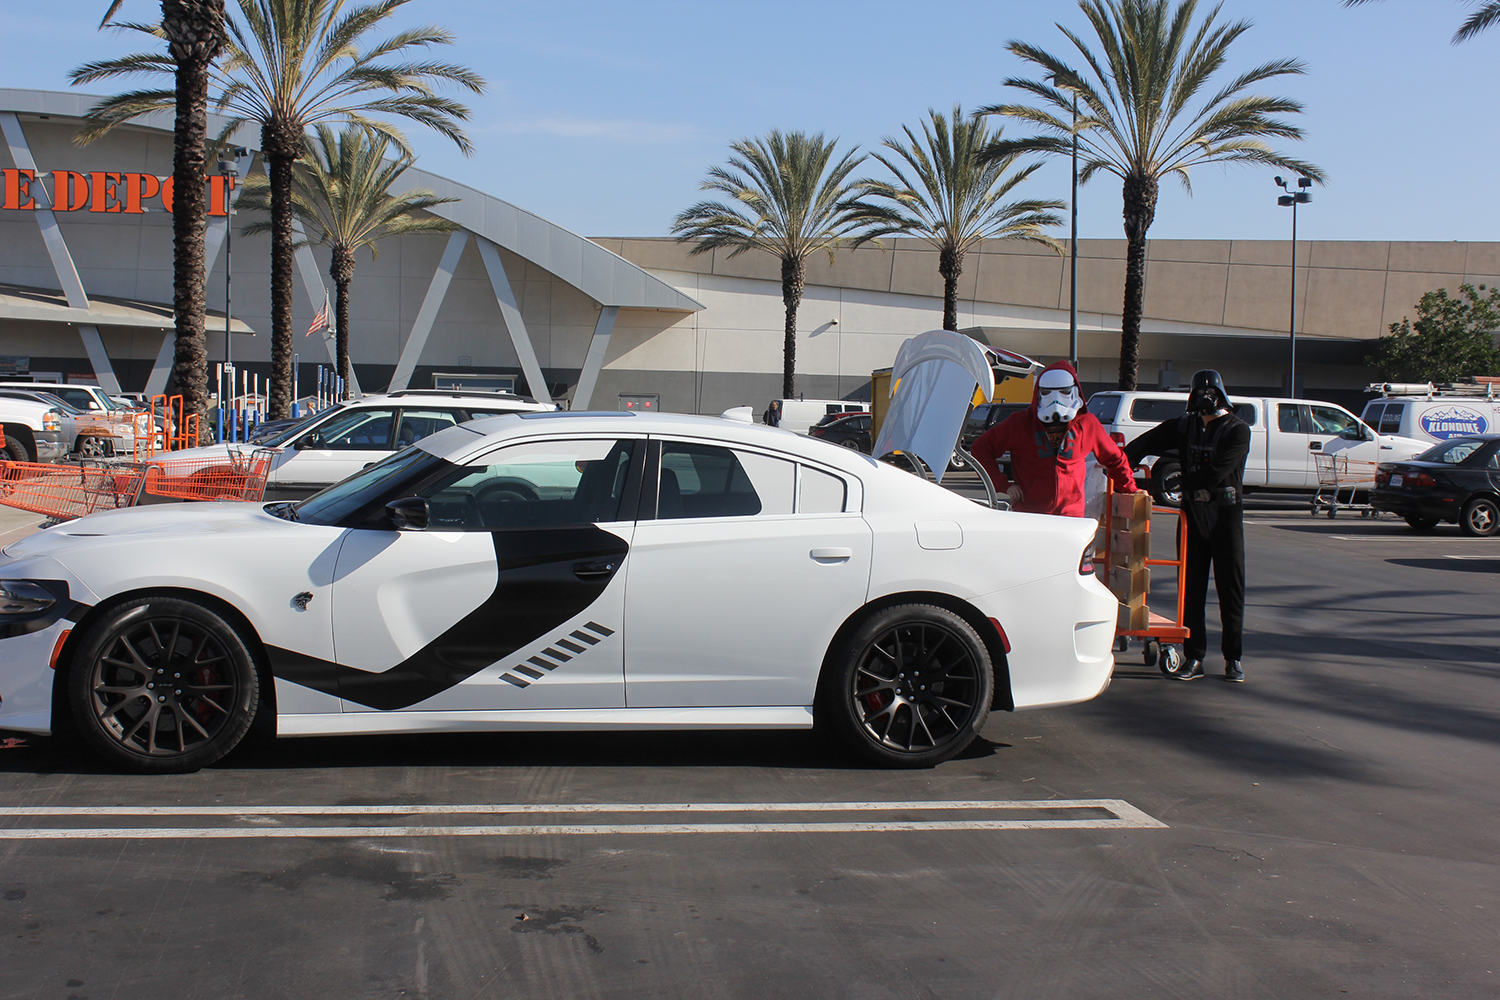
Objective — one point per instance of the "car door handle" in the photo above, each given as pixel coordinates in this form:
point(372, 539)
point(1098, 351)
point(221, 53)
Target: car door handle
point(594, 569)
point(831, 553)
point(1315, 446)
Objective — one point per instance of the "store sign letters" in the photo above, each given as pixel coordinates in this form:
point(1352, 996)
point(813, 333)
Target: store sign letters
point(100, 191)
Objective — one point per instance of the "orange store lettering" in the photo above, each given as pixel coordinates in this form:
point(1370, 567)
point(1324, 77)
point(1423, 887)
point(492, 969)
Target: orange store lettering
point(100, 191)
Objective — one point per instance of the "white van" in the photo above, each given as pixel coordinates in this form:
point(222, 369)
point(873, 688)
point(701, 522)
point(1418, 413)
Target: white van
point(799, 415)
point(1435, 414)
point(1285, 437)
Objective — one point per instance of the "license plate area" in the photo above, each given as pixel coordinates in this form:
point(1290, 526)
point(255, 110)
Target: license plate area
point(1397, 479)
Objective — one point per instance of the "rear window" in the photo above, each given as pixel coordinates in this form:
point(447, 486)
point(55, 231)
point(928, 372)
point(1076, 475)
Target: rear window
point(1105, 407)
point(1390, 420)
point(1451, 452)
point(1246, 412)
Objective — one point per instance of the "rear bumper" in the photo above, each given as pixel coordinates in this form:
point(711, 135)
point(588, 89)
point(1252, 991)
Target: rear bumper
point(1444, 508)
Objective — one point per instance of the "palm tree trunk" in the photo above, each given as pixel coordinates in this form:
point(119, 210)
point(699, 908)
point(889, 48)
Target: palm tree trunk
point(195, 37)
point(282, 145)
point(341, 270)
point(1140, 208)
point(950, 266)
point(793, 280)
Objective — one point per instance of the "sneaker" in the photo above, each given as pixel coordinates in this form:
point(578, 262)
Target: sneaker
point(1233, 673)
point(1191, 671)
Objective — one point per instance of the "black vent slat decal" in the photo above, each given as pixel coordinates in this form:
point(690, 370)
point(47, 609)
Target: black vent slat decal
point(571, 646)
point(544, 664)
point(596, 627)
point(518, 682)
point(529, 671)
point(584, 637)
point(557, 655)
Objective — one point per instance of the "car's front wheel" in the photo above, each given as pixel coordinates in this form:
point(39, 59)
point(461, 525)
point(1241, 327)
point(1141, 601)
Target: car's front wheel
point(1481, 517)
point(910, 688)
point(1166, 482)
point(162, 685)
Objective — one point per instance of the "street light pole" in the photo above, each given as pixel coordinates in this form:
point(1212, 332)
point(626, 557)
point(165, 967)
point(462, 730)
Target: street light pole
point(1073, 243)
point(1294, 198)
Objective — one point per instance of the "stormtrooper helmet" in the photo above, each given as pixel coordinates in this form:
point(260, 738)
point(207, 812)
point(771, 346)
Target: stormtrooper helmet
point(1058, 398)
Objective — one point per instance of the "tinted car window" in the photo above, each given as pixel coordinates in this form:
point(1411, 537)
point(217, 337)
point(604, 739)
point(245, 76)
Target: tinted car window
point(537, 484)
point(1105, 408)
point(1246, 412)
point(1289, 418)
point(1390, 420)
point(1154, 411)
point(357, 430)
point(699, 480)
point(417, 424)
point(1331, 420)
point(979, 417)
point(1451, 452)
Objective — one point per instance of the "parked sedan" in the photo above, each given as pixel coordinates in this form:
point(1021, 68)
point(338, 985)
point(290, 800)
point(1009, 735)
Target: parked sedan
point(558, 571)
point(850, 430)
point(1458, 480)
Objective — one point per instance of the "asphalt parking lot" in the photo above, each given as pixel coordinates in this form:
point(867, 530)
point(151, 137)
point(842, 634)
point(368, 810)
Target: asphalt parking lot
point(1326, 829)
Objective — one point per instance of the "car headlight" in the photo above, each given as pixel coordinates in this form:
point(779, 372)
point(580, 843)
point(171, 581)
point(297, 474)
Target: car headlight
point(52, 421)
point(24, 597)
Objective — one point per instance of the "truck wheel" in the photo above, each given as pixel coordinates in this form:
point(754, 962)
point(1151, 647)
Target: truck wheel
point(910, 688)
point(15, 451)
point(1481, 517)
point(1166, 482)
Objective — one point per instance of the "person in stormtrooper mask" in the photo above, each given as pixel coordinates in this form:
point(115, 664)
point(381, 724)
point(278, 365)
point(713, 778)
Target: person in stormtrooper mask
point(1049, 443)
point(1212, 445)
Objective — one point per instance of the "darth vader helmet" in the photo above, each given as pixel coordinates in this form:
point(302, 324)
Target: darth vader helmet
point(1207, 395)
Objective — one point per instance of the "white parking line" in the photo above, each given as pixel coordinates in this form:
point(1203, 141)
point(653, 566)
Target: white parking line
point(1493, 557)
point(1122, 816)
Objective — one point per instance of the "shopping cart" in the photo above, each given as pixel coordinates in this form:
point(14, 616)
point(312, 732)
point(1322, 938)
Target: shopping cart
point(241, 476)
point(1340, 475)
point(1163, 636)
point(64, 492)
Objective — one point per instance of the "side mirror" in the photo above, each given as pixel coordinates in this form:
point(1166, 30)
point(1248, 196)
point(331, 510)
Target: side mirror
point(408, 513)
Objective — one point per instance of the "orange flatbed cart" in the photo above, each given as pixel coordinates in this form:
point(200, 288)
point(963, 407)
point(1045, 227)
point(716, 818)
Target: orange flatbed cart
point(1163, 636)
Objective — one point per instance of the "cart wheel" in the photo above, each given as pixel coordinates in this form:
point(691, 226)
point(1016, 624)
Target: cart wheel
point(1150, 652)
point(1122, 643)
point(1171, 660)
point(1332, 512)
point(1313, 509)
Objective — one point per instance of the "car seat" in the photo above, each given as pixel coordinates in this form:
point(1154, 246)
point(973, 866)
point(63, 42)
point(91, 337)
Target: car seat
point(668, 496)
point(406, 436)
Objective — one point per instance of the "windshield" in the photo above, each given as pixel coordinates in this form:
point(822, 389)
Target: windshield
point(393, 477)
point(284, 435)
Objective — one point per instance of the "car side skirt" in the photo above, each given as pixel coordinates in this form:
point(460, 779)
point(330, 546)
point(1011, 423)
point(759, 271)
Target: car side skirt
point(776, 717)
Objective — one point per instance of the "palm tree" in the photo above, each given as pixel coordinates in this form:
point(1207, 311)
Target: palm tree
point(341, 193)
point(958, 200)
point(293, 64)
point(194, 32)
point(1487, 14)
point(791, 199)
point(1144, 116)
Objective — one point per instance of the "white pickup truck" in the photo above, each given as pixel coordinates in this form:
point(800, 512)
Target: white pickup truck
point(34, 431)
point(1285, 437)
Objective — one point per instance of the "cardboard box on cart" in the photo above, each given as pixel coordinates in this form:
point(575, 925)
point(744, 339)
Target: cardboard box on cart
point(1129, 547)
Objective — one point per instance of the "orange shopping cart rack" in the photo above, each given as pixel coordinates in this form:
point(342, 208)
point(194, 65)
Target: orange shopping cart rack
point(1127, 562)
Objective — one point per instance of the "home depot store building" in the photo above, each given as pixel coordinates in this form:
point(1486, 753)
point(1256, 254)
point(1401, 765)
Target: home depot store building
point(86, 291)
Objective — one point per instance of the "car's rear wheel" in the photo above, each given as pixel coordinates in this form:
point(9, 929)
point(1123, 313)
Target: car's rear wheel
point(1421, 523)
point(910, 688)
point(162, 685)
point(1481, 517)
point(1166, 483)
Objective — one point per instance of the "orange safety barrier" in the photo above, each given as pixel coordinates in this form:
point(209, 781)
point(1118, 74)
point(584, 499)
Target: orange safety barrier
point(64, 492)
point(238, 477)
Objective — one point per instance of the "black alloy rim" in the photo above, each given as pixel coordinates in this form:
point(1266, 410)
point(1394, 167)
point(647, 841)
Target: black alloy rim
point(163, 687)
point(916, 687)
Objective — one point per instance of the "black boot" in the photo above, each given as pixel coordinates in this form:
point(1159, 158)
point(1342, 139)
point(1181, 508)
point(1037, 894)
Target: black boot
point(1233, 673)
point(1191, 671)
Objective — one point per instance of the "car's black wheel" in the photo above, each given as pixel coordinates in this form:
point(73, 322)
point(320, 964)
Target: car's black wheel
point(88, 446)
point(1421, 523)
point(1481, 517)
point(1166, 482)
point(162, 685)
point(15, 451)
point(910, 688)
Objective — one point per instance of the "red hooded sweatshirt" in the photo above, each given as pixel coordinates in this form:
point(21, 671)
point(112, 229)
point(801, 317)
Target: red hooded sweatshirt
point(1051, 482)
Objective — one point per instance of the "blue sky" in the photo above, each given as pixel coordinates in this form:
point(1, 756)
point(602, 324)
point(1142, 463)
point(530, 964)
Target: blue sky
point(603, 115)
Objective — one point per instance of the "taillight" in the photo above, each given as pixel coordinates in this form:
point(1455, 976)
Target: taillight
point(1382, 476)
point(1117, 438)
point(1420, 479)
point(1086, 564)
point(818, 432)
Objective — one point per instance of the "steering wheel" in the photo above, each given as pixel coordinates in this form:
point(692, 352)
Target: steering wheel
point(506, 491)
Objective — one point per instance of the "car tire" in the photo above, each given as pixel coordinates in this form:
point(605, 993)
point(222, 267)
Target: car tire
point(15, 451)
point(162, 685)
point(1480, 517)
point(876, 701)
point(1421, 523)
point(1166, 482)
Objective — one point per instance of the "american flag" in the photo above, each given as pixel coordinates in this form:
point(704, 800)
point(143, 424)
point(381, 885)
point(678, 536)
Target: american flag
point(320, 321)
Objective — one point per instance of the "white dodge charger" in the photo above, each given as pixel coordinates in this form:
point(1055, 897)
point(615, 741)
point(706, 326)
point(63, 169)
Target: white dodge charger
point(557, 570)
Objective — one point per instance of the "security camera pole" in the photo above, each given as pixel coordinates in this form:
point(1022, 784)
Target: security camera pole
point(1301, 197)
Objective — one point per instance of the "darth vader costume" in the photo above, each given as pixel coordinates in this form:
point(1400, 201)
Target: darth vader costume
point(1212, 445)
